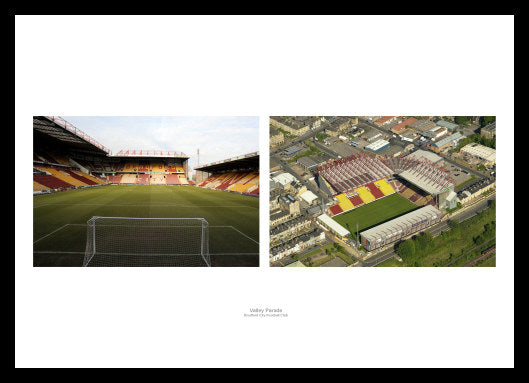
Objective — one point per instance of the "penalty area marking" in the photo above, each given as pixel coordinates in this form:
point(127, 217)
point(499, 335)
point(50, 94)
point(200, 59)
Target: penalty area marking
point(82, 224)
point(239, 232)
point(60, 228)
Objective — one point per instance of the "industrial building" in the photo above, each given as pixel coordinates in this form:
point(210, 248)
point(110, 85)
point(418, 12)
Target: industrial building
point(435, 133)
point(423, 125)
point(446, 142)
point(400, 227)
point(307, 163)
point(401, 127)
point(450, 126)
point(488, 155)
point(291, 150)
point(377, 146)
point(283, 179)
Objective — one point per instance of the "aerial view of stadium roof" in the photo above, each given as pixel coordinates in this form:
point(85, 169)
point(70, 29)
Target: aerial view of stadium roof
point(428, 184)
point(425, 154)
point(398, 225)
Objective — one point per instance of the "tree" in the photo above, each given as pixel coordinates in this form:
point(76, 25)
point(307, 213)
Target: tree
point(455, 228)
point(461, 120)
point(485, 120)
point(406, 250)
point(424, 242)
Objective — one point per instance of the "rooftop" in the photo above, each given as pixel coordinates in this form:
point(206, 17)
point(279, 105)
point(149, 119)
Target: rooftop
point(425, 154)
point(309, 196)
point(284, 178)
point(449, 139)
point(447, 124)
point(423, 125)
point(399, 128)
point(396, 225)
point(377, 145)
point(335, 226)
point(481, 151)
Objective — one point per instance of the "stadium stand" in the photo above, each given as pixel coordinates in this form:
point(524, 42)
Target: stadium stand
point(344, 202)
point(115, 179)
point(143, 166)
point(385, 187)
point(39, 187)
point(50, 181)
point(356, 200)
point(349, 173)
point(80, 177)
point(143, 179)
point(89, 177)
point(182, 179)
point(172, 179)
point(157, 179)
point(128, 179)
point(359, 170)
point(130, 167)
point(62, 175)
point(336, 209)
point(377, 193)
point(65, 157)
point(239, 174)
point(157, 167)
point(365, 194)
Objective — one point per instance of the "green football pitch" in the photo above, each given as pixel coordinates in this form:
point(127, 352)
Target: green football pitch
point(375, 213)
point(59, 219)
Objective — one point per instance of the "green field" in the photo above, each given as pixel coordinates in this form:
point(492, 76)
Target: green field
point(375, 213)
point(59, 219)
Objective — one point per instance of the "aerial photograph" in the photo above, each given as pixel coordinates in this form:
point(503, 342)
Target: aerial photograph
point(365, 191)
point(161, 191)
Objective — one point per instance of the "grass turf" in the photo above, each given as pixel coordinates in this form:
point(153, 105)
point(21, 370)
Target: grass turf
point(59, 219)
point(375, 213)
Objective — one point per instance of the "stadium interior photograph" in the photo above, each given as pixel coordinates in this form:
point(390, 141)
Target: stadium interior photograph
point(103, 206)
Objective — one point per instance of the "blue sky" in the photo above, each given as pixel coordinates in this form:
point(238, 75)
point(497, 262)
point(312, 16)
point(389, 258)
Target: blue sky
point(217, 138)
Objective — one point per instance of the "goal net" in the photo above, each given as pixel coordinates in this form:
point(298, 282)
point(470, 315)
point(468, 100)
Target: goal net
point(124, 241)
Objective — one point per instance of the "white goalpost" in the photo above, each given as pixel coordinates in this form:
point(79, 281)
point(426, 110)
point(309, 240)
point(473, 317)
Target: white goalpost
point(143, 242)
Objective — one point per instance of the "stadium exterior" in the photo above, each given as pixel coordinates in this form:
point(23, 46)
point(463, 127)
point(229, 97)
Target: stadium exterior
point(400, 227)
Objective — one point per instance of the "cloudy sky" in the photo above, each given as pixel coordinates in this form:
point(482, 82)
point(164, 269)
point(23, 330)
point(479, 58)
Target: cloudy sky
point(217, 138)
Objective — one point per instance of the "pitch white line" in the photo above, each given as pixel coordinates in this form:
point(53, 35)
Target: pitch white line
point(82, 252)
point(146, 205)
point(62, 227)
point(57, 252)
point(243, 234)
